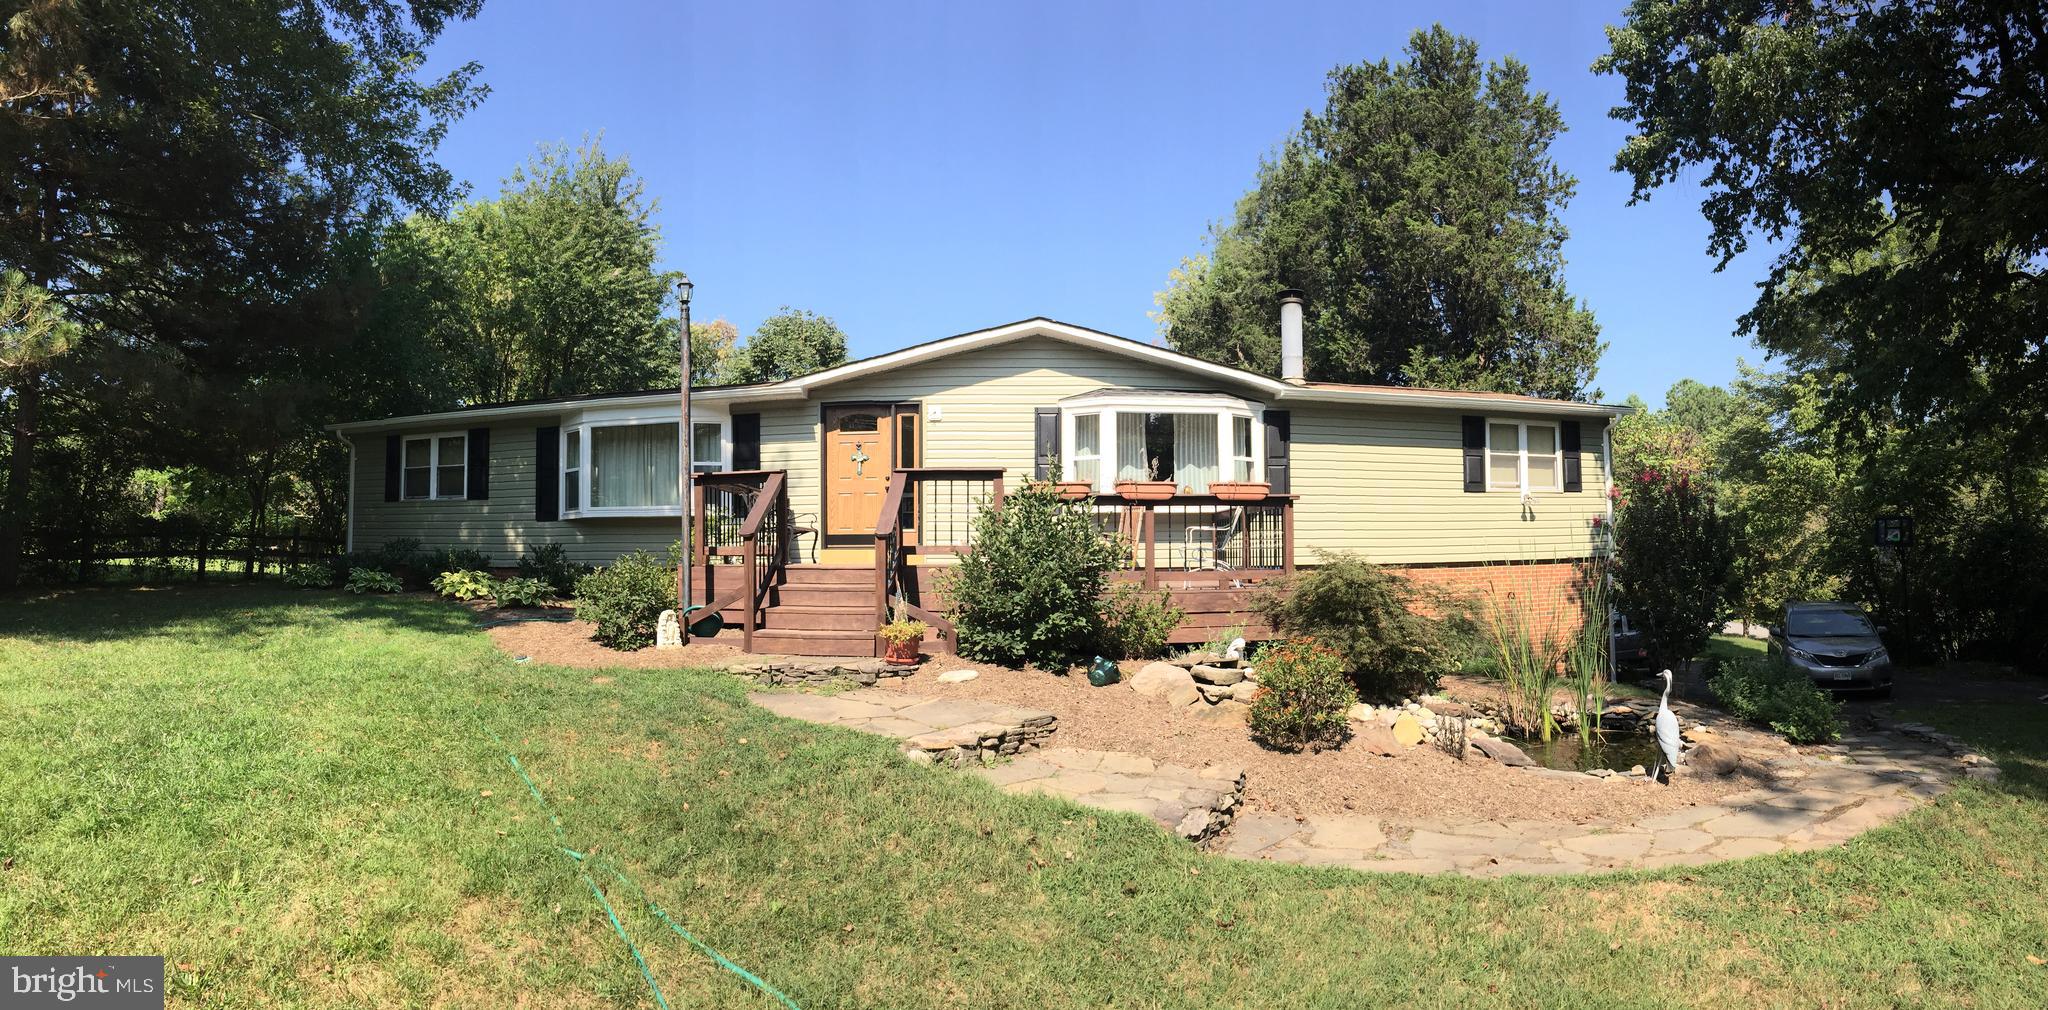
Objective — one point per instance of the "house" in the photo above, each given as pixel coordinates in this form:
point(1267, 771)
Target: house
point(833, 497)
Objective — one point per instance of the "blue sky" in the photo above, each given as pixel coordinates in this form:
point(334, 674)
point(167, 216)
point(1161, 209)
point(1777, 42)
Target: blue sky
point(918, 170)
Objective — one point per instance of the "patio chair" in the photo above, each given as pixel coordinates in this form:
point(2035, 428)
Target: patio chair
point(1215, 536)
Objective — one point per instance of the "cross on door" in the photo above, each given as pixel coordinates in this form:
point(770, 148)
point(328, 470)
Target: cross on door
point(859, 457)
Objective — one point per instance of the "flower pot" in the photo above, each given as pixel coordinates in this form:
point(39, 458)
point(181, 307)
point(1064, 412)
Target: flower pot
point(1074, 489)
point(900, 652)
point(1240, 490)
point(1145, 490)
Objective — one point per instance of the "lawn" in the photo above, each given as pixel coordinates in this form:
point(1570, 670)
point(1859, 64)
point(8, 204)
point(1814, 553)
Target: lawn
point(296, 797)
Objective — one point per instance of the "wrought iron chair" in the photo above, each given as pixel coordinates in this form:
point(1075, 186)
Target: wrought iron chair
point(1215, 537)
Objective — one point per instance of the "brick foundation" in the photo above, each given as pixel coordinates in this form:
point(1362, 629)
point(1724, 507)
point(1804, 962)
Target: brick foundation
point(1548, 590)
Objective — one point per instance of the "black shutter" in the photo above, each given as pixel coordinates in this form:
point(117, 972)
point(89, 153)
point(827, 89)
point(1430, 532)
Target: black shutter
point(392, 447)
point(1475, 452)
point(1568, 443)
point(479, 479)
point(746, 441)
point(547, 474)
point(1048, 443)
point(1279, 432)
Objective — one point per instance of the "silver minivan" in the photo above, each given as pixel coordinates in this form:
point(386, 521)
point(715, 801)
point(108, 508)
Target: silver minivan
point(1834, 643)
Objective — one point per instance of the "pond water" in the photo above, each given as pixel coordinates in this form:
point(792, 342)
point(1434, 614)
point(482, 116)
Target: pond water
point(1609, 749)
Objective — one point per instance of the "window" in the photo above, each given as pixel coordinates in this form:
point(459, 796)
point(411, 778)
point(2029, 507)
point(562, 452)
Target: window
point(1521, 456)
point(707, 447)
point(436, 466)
point(629, 469)
point(633, 466)
point(1190, 439)
point(1240, 448)
point(1087, 462)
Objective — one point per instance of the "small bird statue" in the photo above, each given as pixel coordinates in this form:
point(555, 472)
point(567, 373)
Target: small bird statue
point(1667, 735)
point(1235, 651)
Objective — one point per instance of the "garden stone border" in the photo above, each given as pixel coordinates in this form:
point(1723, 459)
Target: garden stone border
point(778, 670)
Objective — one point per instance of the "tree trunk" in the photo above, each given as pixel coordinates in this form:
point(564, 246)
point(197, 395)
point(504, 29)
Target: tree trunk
point(20, 465)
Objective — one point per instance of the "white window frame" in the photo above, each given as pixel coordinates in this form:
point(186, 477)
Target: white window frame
point(1070, 461)
point(584, 424)
point(1521, 451)
point(434, 465)
point(1107, 405)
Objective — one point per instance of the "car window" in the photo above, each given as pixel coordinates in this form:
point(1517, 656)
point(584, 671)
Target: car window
point(1825, 623)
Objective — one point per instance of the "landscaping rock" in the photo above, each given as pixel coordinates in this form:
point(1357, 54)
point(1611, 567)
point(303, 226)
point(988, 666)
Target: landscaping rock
point(1184, 695)
point(1160, 679)
point(1212, 694)
point(1377, 740)
point(1502, 751)
point(1407, 729)
point(1360, 712)
point(1713, 758)
point(1193, 659)
point(1236, 712)
point(1450, 708)
point(958, 676)
point(1245, 691)
point(1222, 676)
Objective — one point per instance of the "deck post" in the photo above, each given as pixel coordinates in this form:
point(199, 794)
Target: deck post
point(1151, 548)
point(750, 596)
point(1287, 536)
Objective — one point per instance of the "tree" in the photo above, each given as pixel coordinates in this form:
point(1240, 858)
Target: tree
point(1420, 214)
point(712, 348)
point(1892, 150)
point(790, 343)
point(174, 177)
point(1673, 563)
point(548, 290)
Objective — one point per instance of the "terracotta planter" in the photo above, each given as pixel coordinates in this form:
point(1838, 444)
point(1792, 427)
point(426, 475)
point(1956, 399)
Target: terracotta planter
point(1074, 489)
point(900, 652)
point(1145, 490)
point(1240, 490)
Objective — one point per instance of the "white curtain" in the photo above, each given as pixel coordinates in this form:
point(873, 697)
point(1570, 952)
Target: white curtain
point(1194, 451)
point(633, 466)
point(1130, 447)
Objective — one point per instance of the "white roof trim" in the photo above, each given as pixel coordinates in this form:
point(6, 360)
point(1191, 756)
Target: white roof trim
point(801, 387)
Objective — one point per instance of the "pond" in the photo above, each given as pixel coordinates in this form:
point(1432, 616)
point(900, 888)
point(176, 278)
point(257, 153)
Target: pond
point(1608, 749)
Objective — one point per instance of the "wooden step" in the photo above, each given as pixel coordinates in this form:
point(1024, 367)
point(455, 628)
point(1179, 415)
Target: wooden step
point(836, 575)
point(843, 596)
point(788, 642)
point(808, 618)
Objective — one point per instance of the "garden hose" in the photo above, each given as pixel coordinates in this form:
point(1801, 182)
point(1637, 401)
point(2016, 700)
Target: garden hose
point(580, 859)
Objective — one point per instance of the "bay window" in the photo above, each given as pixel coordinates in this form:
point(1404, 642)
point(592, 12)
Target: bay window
point(435, 466)
point(627, 466)
point(1190, 439)
point(1522, 456)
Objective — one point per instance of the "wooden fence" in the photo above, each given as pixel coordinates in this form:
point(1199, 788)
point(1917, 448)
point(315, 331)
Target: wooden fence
point(168, 552)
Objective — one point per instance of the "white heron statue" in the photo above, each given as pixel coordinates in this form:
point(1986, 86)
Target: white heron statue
point(1235, 650)
point(1667, 735)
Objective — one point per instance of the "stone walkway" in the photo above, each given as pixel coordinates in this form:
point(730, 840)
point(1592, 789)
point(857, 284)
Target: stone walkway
point(1823, 796)
point(1193, 803)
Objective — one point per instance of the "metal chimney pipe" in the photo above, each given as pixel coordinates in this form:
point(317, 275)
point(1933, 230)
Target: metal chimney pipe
point(1291, 367)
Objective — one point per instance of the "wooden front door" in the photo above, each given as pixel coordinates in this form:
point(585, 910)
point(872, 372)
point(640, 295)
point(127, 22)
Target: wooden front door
point(859, 449)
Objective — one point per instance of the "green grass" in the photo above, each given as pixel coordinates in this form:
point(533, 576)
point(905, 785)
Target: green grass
point(286, 792)
point(1733, 647)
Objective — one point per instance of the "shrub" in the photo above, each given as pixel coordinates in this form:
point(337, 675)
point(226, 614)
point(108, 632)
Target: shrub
point(523, 592)
point(459, 559)
point(1674, 562)
point(1770, 692)
point(625, 599)
point(310, 576)
point(1136, 621)
point(463, 585)
point(397, 553)
point(1031, 589)
point(1368, 617)
point(550, 564)
point(370, 580)
point(1303, 696)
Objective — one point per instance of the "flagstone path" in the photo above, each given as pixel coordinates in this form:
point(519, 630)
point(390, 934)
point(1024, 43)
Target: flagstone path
point(1821, 796)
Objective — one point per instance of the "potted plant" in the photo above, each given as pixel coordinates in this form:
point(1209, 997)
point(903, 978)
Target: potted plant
point(1145, 490)
point(900, 639)
point(1240, 490)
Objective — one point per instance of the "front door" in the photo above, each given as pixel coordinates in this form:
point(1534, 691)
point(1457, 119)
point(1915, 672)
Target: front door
point(859, 455)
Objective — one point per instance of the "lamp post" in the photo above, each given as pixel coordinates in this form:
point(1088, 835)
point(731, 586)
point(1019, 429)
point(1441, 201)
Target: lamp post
point(684, 436)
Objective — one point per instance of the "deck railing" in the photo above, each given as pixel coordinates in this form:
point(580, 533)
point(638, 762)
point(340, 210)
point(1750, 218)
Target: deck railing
point(1193, 541)
point(741, 517)
point(926, 511)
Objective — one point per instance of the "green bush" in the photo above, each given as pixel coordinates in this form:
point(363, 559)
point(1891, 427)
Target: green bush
point(625, 599)
point(1674, 562)
point(459, 559)
point(1031, 589)
point(310, 576)
point(1136, 621)
point(463, 585)
point(1368, 617)
point(523, 592)
point(1766, 691)
point(550, 564)
point(1304, 696)
point(370, 580)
